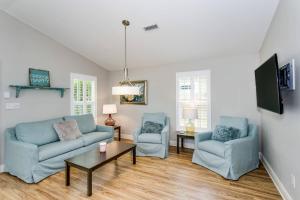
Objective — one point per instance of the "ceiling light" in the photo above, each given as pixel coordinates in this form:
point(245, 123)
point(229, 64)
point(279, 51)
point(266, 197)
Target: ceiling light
point(125, 87)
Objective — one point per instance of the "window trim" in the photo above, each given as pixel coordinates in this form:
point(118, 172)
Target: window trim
point(83, 77)
point(206, 73)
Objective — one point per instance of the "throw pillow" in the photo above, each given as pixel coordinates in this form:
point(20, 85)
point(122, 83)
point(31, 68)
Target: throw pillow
point(152, 127)
point(224, 133)
point(67, 130)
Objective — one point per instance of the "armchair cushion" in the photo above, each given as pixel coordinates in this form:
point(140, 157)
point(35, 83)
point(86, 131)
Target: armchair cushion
point(86, 123)
point(150, 138)
point(224, 133)
point(155, 117)
point(212, 146)
point(152, 127)
point(236, 122)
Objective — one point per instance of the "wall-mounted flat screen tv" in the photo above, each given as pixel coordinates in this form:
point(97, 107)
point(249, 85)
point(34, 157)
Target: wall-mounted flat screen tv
point(268, 93)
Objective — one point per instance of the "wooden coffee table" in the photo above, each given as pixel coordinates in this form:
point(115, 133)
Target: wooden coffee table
point(93, 159)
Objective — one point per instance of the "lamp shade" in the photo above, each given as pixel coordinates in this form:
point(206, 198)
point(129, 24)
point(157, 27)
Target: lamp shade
point(125, 90)
point(109, 108)
point(190, 113)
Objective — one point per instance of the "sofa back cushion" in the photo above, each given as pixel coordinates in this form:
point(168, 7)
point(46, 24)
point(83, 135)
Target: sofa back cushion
point(86, 123)
point(240, 123)
point(39, 133)
point(159, 118)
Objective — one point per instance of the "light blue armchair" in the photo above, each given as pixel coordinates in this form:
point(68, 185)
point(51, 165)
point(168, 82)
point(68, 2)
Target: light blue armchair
point(153, 144)
point(233, 158)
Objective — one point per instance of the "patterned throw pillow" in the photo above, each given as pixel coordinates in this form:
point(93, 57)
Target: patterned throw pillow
point(67, 130)
point(152, 127)
point(224, 133)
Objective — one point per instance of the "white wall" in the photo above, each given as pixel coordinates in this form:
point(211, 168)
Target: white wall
point(232, 90)
point(23, 47)
point(281, 133)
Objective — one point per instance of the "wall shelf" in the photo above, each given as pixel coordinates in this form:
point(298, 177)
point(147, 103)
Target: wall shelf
point(26, 87)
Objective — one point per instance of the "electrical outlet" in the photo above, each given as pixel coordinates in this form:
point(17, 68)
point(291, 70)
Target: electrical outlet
point(293, 181)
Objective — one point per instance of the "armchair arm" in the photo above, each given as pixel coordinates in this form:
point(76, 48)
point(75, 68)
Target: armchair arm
point(243, 152)
point(202, 137)
point(20, 157)
point(136, 133)
point(165, 133)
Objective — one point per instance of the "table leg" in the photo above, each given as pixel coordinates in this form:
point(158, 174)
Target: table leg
point(177, 144)
point(67, 174)
point(134, 155)
point(182, 141)
point(89, 183)
point(119, 133)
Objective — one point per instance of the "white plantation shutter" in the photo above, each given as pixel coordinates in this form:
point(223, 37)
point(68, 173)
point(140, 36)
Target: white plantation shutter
point(193, 90)
point(83, 97)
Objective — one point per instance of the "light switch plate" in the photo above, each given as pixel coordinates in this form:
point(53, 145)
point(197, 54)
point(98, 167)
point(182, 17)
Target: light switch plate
point(6, 95)
point(12, 106)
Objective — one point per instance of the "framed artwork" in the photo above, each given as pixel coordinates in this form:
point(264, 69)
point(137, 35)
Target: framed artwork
point(136, 99)
point(39, 78)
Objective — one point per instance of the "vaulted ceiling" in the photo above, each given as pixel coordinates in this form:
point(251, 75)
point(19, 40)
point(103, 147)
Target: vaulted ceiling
point(188, 29)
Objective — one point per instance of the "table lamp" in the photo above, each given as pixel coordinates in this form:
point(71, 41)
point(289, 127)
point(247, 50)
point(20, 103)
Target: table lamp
point(190, 114)
point(109, 109)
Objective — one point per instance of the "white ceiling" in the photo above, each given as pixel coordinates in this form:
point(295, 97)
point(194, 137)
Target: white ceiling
point(188, 29)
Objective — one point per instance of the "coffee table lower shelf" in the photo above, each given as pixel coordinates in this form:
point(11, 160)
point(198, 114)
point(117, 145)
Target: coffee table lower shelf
point(93, 160)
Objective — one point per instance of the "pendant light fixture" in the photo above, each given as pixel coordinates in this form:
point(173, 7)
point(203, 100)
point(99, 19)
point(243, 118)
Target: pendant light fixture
point(125, 87)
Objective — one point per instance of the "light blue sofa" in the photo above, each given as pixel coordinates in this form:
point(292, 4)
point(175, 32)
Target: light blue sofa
point(153, 144)
point(233, 158)
point(33, 150)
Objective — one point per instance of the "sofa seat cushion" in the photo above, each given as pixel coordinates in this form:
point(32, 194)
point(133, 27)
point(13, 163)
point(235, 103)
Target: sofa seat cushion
point(150, 138)
point(86, 123)
point(212, 146)
point(57, 148)
point(94, 137)
point(38, 133)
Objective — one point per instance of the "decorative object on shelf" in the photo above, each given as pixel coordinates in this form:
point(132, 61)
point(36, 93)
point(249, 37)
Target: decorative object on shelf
point(140, 99)
point(126, 87)
point(190, 114)
point(25, 87)
point(109, 109)
point(39, 78)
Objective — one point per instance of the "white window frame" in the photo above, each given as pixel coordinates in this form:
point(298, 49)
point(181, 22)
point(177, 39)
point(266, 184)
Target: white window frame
point(205, 73)
point(83, 77)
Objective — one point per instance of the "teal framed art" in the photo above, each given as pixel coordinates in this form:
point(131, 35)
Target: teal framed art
point(38, 77)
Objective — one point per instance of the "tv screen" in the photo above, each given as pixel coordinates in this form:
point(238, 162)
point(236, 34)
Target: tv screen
point(267, 86)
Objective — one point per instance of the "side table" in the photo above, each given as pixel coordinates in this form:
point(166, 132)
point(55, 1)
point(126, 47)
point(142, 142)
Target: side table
point(183, 135)
point(118, 127)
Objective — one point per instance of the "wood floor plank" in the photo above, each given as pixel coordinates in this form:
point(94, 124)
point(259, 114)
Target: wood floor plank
point(151, 178)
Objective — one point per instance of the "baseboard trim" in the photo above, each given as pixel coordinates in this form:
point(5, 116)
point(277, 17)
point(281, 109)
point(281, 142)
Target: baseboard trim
point(1, 168)
point(127, 136)
point(280, 187)
point(186, 144)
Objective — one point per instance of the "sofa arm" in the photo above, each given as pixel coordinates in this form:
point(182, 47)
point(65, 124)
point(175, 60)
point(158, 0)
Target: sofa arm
point(105, 129)
point(19, 156)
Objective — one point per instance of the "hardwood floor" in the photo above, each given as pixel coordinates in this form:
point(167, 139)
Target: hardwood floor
point(151, 178)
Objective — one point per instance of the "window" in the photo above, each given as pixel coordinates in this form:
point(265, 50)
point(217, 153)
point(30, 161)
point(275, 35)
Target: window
point(83, 94)
point(193, 90)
